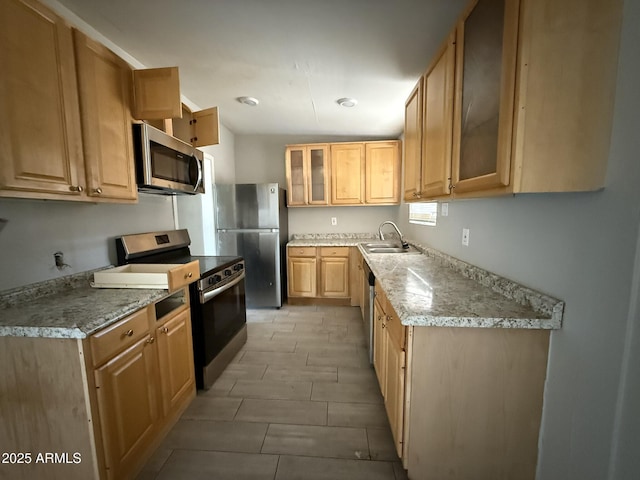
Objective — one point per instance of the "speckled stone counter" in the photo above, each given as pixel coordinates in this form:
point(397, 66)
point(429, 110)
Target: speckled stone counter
point(435, 289)
point(68, 307)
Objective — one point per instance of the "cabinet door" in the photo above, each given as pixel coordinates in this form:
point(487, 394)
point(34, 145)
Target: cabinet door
point(379, 346)
point(347, 174)
point(156, 93)
point(295, 165)
point(355, 276)
point(394, 390)
point(334, 277)
point(206, 127)
point(485, 82)
point(382, 172)
point(127, 405)
point(302, 277)
point(175, 352)
point(317, 172)
point(104, 80)
point(413, 143)
point(437, 134)
point(40, 140)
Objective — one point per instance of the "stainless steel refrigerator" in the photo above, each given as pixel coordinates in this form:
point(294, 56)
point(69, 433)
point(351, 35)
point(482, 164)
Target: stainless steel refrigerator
point(251, 221)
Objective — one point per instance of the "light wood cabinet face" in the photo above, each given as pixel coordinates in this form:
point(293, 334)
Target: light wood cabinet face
point(485, 82)
point(200, 129)
point(382, 172)
point(302, 276)
point(128, 405)
point(40, 141)
point(307, 169)
point(413, 143)
point(334, 276)
point(347, 174)
point(157, 93)
point(175, 352)
point(379, 346)
point(437, 136)
point(104, 80)
point(394, 389)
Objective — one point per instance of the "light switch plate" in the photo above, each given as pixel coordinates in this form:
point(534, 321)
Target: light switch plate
point(334, 221)
point(444, 210)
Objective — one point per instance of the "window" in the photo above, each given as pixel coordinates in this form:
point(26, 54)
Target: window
point(423, 213)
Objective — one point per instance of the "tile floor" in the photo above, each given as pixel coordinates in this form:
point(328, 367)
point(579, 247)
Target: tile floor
point(300, 401)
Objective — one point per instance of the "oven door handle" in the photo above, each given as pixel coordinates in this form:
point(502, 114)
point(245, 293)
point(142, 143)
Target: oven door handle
point(206, 296)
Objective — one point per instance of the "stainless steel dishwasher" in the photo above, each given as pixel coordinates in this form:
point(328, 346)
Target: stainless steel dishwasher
point(368, 281)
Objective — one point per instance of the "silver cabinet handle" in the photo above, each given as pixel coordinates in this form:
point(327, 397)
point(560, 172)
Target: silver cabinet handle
point(97, 191)
point(76, 188)
point(128, 333)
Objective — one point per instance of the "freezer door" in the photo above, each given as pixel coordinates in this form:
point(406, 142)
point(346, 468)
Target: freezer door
point(262, 256)
point(243, 206)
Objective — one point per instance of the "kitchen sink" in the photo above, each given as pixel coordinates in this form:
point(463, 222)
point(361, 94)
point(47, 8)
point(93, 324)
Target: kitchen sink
point(388, 248)
point(382, 245)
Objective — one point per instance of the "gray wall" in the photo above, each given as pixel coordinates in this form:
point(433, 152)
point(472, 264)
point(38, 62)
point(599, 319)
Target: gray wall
point(581, 249)
point(260, 158)
point(84, 232)
point(224, 165)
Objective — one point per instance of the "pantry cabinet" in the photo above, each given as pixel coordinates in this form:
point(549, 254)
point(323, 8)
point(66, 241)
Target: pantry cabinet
point(104, 82)
point(40, 139)
point(308, 177)
point(531, 108)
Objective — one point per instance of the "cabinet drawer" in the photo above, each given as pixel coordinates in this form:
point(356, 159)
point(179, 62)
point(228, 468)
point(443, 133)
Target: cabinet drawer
point(302, 251)
point(115, 338)
point(334, 251)
point(183, 275)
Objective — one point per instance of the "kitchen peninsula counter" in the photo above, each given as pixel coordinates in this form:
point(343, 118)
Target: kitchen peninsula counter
point(435, 289)
point(68, 307)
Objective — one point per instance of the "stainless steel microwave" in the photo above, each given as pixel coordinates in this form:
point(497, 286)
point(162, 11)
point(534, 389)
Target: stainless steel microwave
point(165, 164)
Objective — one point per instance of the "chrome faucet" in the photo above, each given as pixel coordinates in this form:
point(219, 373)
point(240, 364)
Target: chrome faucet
point(404, 244)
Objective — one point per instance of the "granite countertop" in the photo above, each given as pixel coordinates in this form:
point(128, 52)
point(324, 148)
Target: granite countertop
point(435, 289)
point(68, 307)
point(330, 240)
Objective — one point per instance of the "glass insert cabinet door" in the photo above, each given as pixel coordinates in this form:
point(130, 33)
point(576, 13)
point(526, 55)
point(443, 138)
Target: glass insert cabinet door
point(307, 174)
point(485, 83)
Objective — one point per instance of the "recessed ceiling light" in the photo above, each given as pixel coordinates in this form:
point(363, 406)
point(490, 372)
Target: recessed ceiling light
point(251, 101)
point(347, 102)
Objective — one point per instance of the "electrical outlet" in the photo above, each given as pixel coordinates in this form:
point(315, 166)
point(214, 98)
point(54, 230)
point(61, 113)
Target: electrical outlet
point(465, 237)
point(444, 210)
point(334, 221)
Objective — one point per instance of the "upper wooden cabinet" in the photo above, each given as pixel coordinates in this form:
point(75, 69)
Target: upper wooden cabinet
point(157, 100)
point(353, 173)
point(484, 96)
point(435, 174)
point(157, 93)
point(413, 111)
point(532, 108)
point(104, 80)
point(307, 170)
point(199, 128)
point(40, 139)
point(347, 173)
point(382, 172)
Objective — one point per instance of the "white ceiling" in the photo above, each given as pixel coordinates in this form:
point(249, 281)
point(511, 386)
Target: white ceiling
point(296, 56)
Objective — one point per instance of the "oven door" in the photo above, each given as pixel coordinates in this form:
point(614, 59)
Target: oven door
point(217, 316)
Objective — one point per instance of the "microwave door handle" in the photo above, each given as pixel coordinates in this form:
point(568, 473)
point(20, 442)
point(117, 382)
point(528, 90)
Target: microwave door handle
point(199, 180)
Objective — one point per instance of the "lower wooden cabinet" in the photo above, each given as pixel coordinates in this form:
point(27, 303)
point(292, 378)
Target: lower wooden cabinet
point(175, 356)
point(321, 272)
point(128, 405)
point(389, 364)
point(107, 400)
